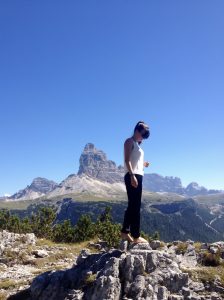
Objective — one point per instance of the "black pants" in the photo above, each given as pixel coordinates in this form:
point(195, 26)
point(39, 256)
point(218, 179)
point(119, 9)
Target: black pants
point(132, 213)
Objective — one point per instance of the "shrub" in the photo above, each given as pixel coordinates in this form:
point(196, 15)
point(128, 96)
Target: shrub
point(106, 229)
point(146, 236)
point(14, 223)
point(4, 219)
point(211, 259)
point(156, 235)
point(64, 232)
point(197, 246)
point(84, 229)
point(42, 222)
point(181, 248)
point(108, 232)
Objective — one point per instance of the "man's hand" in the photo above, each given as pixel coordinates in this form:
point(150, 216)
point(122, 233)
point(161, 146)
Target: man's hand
point(146, 163)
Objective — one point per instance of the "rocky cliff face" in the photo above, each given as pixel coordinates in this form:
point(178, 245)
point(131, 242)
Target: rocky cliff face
point(157, 183)
point(93, 162)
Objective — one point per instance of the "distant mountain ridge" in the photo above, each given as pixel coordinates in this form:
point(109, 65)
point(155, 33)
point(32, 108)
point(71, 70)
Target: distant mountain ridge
point(158, 183)
point(101, 176)
point(40, 186)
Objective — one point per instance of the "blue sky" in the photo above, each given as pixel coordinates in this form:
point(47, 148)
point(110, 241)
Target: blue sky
point(74, 72)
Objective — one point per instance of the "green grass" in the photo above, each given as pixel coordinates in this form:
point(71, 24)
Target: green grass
point(181, 248)
point(7, 284)
point(205, 273)
point(3, 295)
point(197, 246)
point(87, 196)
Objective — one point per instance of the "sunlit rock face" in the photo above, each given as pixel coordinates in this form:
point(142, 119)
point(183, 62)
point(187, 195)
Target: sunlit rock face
point(153, 270)
point(94, 162)
point(39, 187)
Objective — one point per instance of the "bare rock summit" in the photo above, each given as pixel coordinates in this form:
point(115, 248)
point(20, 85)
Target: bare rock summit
point(94, 163)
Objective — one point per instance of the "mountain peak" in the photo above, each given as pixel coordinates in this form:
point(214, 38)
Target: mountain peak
point(38, 187)
point(89, 147)
point(43, 185)
point(93, 162)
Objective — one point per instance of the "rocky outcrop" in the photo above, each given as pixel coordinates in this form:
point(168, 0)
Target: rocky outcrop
point(154, 270)
point(23, 256)
point(94, 162)
point(13, 240)
point(144, 271)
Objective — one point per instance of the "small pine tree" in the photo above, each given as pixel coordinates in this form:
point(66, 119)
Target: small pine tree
point(106, 214)
point(145, 236)
point(25, 225)
point(63, 232)
point(4, 218)
point(42, 222)
point(156, 236)
point(14, 224)
point(84, 229)
point(106, 230)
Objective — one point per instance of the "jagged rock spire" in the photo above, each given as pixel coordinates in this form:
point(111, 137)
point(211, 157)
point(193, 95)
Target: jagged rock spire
point(93, 162)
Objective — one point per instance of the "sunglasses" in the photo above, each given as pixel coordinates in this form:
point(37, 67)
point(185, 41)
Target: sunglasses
point(145, 134)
